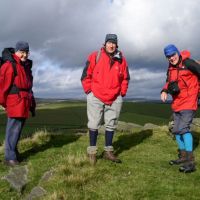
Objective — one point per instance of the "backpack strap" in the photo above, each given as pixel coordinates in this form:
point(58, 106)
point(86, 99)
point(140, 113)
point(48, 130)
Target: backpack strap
point(98, 56)
point(193, 66)
point(1, 61)
point(14, 68)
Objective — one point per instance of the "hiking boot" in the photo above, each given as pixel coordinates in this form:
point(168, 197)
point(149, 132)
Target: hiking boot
point(108, 155)
point(11, 163)
point(189, 165)
point(91, 153)
point(92, 159)
point(181, 158)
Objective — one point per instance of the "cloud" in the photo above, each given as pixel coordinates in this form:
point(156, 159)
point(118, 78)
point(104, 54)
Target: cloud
point(62, 33)
point(146, 84)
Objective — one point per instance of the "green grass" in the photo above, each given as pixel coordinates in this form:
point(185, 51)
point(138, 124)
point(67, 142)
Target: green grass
point(143, 174)
point(72, 115)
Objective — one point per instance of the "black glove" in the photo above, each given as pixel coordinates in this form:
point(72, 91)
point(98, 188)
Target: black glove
point(32, 112)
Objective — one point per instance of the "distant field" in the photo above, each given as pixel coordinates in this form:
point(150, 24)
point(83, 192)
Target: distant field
point(72, 115)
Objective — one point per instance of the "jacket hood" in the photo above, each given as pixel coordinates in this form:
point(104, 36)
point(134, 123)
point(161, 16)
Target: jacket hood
point(185, 54)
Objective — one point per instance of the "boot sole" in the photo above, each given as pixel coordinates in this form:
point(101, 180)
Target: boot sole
point(187, 170)
point(176, 163)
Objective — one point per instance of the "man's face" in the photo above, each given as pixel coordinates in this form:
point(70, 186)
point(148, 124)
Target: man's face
point(173, 59)
point(110, 47)
point(23, 55)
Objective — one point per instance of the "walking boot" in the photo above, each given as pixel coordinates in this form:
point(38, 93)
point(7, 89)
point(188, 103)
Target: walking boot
point(91, 153)
point(108, 155)
point(181, 158)
point(189, 165)
point(92, 159)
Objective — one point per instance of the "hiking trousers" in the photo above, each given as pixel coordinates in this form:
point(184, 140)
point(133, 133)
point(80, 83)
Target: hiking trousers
point(182, 121)
point(13, 131)
point(99, 113)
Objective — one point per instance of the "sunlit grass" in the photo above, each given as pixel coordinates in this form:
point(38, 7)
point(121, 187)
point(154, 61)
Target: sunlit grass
point(143, 174)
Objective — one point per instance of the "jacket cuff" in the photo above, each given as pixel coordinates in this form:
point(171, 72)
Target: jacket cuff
point(87, 92)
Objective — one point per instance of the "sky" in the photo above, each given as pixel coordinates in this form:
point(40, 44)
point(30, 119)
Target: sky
point(62, 34)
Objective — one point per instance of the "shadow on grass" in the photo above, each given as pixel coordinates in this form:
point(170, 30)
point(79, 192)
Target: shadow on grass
point(196, 137)
point(54, 141)
point(125, 142)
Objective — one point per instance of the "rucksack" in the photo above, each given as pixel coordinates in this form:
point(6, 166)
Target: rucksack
point(7, 56)
point(194, 67)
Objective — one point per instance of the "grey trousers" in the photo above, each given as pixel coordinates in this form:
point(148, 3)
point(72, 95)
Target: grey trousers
point(98, 112)
point(182, 121)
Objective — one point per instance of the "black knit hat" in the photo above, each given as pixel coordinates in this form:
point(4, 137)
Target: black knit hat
point(111, 38)
point(22, 46)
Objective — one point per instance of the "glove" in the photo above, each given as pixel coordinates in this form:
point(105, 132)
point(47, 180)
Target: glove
point(33, 113)
point(32, 110)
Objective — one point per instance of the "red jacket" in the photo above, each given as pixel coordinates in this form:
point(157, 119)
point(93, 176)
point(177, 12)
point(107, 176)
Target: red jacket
point(108, 78)
point(20, 103)
point(188, 83)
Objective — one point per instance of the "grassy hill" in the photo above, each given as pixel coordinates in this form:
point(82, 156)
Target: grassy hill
point(72, 115)
point(143, 174)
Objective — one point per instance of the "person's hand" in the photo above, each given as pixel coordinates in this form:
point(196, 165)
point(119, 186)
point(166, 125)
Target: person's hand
point(33, 113)
point(163, 96)
point(32, 110)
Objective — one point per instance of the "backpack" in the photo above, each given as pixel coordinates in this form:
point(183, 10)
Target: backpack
point(194, 67)
point(7, 56)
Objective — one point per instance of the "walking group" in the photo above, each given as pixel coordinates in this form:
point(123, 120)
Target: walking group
point(105, 80)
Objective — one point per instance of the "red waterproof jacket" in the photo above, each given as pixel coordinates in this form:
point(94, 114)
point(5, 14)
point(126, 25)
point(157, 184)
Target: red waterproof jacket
point(108, 78)
point(188, 83)
point(16, 91)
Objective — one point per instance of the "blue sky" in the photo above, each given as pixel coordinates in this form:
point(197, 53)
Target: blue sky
point(62, 33)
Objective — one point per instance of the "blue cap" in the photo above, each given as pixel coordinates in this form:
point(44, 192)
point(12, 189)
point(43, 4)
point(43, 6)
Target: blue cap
point(22, 46)
point(171, 49)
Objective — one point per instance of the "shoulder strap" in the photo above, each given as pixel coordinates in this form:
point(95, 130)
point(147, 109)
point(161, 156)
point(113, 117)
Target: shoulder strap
point(14, 68)
point(98, 56)
point(169, 74)
point(1, 61)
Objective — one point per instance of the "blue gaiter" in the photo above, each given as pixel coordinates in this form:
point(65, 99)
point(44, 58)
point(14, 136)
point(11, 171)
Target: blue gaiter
point(188, 141)
point(180, 142)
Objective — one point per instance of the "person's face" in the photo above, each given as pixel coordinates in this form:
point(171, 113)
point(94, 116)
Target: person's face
point(110, 47)
point(23, 55)
point(173, 59)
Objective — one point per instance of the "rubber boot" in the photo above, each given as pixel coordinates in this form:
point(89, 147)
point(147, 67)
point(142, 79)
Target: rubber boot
point(189, 165)
point(181, 158)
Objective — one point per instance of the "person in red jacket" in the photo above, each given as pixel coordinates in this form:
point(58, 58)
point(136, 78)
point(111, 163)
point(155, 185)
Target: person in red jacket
point(16, 96)
point(105, 81)
point(183, 85)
